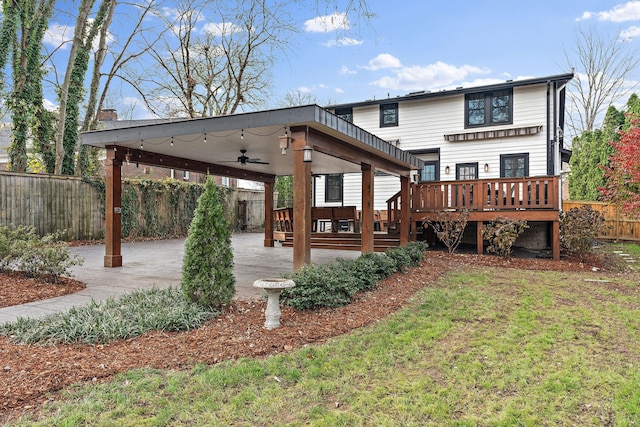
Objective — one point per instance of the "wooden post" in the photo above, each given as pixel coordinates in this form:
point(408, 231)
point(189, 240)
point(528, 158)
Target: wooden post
point(301, 201)
point(479, 247)
point(555, 241)
point(405, 209)
point(268, 214)
point(113, 210)
point(366, 228)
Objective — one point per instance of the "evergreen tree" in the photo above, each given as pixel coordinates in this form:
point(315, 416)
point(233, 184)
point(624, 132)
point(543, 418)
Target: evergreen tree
point(207, 269)
point(590, 150)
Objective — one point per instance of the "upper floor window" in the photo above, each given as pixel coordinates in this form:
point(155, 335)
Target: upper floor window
point(489, 108)
point(345, 113)
point(388, 115)
point(333, 188)
point(514, 165)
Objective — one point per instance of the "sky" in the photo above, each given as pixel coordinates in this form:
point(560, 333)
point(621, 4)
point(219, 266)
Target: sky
point(424, 45)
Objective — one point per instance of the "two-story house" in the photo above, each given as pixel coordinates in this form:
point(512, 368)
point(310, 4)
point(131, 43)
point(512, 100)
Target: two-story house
point(472, 135)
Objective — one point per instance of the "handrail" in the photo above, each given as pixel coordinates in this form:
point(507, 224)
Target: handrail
point(487, 194)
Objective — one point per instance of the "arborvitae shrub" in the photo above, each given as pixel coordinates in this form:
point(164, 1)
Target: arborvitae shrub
point(207, 269)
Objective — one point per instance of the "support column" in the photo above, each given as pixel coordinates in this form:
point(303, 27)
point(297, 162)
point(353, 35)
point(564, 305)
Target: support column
point(555, 241)
point(268, 214)
point(479, 246)
point(405, 209)
point(113, 210)
point(301, 202)
point(366, 228)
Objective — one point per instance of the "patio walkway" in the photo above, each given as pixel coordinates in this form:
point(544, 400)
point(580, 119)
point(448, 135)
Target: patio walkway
point(159, 264)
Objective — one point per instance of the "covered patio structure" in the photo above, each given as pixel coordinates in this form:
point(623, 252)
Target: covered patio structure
point(298, 141)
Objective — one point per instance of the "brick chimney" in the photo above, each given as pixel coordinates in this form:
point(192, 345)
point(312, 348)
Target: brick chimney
point(108, 115)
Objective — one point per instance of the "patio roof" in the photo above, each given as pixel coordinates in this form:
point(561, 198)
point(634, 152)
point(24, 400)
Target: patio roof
point(213, 144)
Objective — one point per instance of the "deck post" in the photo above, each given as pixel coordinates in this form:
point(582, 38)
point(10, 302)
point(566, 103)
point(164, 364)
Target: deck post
point(301, 201)
point(268, 214)
point(555, 240)
point(479, 237)
point(113, 209)
point(405, 209)
point(366, 227)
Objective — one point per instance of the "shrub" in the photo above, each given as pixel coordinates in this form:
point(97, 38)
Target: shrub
point(207, 270)
point(128, 316)
point(579, 228)
point(502, 234)
point(46, 258)
point(449, 227)
point(335, 284)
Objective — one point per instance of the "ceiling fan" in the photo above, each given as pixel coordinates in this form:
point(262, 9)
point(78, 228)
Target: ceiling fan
point(242, 159)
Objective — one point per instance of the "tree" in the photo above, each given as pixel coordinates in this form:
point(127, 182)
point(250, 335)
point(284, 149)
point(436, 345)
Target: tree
point(602, 66)
point(207, 270)
point(622, 177)
point(590, 150)
point(21, 34)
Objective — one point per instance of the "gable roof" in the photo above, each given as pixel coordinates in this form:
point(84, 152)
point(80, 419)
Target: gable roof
point(425, 94)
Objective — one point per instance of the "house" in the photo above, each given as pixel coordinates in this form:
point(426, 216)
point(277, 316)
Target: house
point(507, 130)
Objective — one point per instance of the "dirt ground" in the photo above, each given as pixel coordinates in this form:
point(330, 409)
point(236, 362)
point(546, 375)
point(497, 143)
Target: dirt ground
point(31, 375)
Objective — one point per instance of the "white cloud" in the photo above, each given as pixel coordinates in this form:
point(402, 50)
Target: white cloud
point(304, 89)
point(432, 76)
point(49, 105)
point(339, 90)
point(630, 33)
point(327, 23)
point(345, 41)
point(58, 35)
point(346, 70)
point(384, 60)
point(629, 11)
point(218, 29)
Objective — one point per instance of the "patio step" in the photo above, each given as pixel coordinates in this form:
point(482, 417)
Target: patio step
point(342, 241)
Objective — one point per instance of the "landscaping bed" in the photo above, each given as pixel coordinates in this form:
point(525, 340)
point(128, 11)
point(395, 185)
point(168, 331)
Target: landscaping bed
point(30, 374)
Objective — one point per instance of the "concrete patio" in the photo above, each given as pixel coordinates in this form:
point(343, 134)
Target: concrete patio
point(159, 264)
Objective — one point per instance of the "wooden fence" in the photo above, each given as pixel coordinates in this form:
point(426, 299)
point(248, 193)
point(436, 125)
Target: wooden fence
point(55, 203)
point(617, 226)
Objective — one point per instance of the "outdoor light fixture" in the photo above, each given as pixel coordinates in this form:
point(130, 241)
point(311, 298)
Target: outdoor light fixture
point(142, 144)
point(284, 143)
point(172, 141)
point(307, 154)
point(446, 169)
point(486, 167)
point(205, 138)
point(416, 177)
point(242, 134)
point(128, 157)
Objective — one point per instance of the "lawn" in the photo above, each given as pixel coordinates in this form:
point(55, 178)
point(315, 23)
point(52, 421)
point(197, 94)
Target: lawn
point(481, 345)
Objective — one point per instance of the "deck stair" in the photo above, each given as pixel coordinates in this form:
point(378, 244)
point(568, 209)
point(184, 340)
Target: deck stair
point(341, 241)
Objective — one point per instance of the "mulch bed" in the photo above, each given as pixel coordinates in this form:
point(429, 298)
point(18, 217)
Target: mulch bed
point(30, 374)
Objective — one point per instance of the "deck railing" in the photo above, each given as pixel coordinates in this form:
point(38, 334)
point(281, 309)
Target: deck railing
point(481, 195)
point(486, 194)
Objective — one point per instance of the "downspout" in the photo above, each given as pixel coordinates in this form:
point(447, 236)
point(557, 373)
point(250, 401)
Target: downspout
point(550, 156)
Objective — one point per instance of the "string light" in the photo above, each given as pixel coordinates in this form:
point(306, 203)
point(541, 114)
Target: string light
point(142, 144)
point(205, 138)
point(242, 134)
point(172, 141)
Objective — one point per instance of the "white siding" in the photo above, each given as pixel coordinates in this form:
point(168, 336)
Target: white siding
point(423, 124)
point(385, 187)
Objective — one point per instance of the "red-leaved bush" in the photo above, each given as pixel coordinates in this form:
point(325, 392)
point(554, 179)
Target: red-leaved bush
point(622, 176)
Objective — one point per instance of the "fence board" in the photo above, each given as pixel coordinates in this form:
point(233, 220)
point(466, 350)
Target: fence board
point(51, 203)
point(617, 226)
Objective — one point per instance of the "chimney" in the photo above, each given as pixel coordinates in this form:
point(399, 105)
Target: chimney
point(108, 115)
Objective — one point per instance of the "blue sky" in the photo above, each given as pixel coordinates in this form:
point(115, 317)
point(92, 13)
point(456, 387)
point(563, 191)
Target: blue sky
point(430, 45)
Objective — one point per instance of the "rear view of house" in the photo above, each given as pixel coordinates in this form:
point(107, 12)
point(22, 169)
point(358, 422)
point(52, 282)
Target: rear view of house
point(495, 150)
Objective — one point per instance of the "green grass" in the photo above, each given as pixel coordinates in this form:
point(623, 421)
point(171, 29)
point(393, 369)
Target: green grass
point(632, 249)
point(485, 346)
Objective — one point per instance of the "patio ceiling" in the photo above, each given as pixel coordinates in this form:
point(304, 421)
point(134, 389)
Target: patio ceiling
point(339, 146)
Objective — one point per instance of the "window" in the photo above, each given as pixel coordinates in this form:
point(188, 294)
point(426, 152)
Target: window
point(333, 188)
point(467, 171)
point(430, 171)
point(388, 115)
point(345, 114)
point(489, 108)
point(514, 165)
